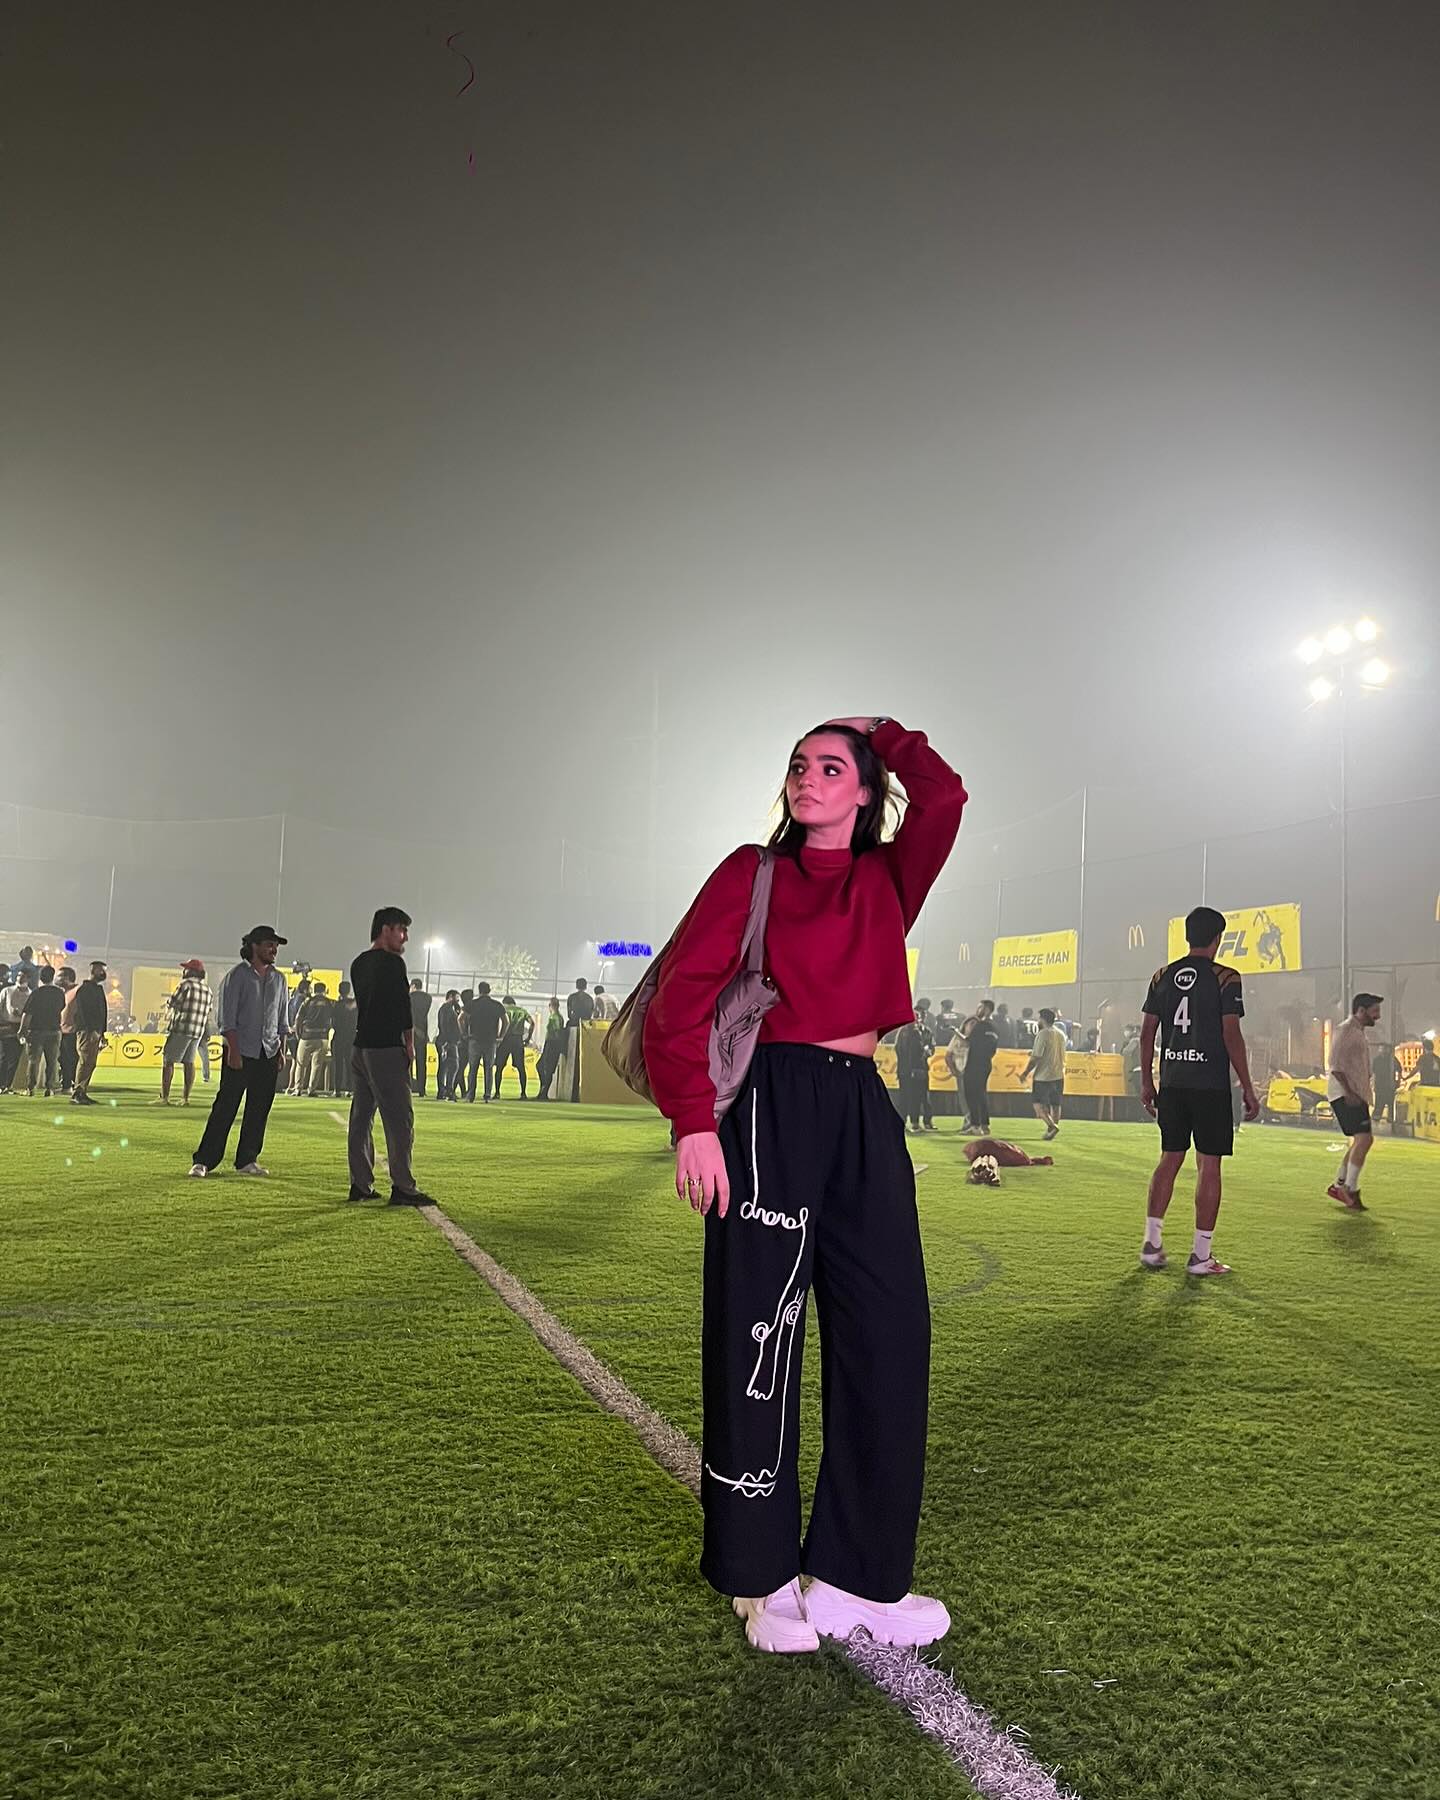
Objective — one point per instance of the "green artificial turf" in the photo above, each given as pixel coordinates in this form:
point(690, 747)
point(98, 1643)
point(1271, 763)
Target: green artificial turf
point(297, 1508)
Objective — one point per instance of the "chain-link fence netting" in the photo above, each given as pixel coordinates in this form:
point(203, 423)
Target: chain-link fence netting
point(541, 915)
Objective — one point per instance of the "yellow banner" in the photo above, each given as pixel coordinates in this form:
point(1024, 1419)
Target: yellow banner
point(1420, 1108)
point(1043, 959)
point(331, 977)
point(1085, 1072)
point(145, 1050)
point(1258, 940)
point(150, 989)
point(1094, 1072)
point(1283, 1094)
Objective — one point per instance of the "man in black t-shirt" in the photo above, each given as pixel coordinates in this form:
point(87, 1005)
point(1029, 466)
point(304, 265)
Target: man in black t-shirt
point(449, 1041)
point(380, 1065)
point(40, 1032)
point(1195, 1006)
point(981, 1043)
point(580, 1005)
point(485, 1023)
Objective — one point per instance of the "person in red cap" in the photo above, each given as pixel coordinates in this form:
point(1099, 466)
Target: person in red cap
point(192, 1006)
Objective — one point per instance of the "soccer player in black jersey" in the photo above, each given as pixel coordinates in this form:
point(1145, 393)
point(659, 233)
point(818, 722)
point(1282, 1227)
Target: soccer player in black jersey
point(1195, 1006)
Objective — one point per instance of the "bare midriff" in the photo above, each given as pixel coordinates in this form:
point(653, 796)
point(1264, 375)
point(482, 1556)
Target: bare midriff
point(861, 1045)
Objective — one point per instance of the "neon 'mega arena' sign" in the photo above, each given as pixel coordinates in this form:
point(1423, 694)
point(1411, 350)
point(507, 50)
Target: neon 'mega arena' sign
point(622, 947)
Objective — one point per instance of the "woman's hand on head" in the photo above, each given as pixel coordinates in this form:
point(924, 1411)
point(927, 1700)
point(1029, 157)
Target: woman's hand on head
point(860, 725)
point(700, 1175)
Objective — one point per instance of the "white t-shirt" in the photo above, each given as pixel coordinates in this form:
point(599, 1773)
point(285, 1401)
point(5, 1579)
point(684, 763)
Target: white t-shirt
point(1350, 1052)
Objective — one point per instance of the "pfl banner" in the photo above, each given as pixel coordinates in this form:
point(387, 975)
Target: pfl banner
point(1258, 940)
point(1043, 959)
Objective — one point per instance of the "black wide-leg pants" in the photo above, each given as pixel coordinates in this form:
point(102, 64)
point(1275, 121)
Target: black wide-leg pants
point(254, 1082)
point(822, 1196)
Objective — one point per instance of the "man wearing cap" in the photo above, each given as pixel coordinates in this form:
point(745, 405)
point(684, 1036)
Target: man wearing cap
point(190, 1008)
point(92, 1015)
point(252, 1023)
point(1351, 1090)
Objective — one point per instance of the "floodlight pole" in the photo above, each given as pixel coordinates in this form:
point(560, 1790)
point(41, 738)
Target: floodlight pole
point(555, 989)
point(1344, 848)
point(1080, 934)
point(654, 820)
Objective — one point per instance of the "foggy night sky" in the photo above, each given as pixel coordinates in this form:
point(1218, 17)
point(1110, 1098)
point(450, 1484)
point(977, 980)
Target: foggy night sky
point(1039, 375)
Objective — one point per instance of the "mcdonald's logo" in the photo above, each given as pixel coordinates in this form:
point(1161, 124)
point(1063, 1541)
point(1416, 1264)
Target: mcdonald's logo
point(965, 948)
point(1137, 934)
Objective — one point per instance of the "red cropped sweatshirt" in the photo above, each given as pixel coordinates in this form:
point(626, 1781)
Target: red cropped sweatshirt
point(834, 940)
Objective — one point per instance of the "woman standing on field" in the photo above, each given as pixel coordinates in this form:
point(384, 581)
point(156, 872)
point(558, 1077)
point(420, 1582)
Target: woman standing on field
point(807, 1182)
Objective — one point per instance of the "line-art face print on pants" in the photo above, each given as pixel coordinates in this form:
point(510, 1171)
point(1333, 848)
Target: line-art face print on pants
point(776, 1336)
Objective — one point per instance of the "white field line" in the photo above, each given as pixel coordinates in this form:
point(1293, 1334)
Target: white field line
point(997, 1763)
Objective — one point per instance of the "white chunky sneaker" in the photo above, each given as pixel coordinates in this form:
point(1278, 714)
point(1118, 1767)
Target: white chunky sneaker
point(910, 1622)
point(198, 1170)
point(252, 1169)
point(777, 1622)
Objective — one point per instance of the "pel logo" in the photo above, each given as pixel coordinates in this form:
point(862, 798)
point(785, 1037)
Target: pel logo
point(1184, 980)
point(132, 1049)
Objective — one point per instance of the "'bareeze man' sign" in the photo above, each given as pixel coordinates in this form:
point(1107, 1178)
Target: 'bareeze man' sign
point(1042, 959)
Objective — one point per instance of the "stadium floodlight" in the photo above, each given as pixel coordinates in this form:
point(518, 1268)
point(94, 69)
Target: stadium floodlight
point(1366, 631)
point(1375, 673)
point(1321, 688)
point(434, 943)
point(1310, 650)
point(1337, 640)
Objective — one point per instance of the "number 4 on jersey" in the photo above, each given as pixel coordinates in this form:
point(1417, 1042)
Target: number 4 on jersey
point(1182, 1014)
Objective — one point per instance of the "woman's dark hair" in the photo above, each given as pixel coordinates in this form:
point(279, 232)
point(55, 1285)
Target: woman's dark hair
point(788, 837)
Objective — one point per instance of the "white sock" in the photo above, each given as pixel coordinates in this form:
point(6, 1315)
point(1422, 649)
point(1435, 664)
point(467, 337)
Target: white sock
point(1153, 1228)
point(1201, 1252)
point(1344, 1176)
point(1352, 1176)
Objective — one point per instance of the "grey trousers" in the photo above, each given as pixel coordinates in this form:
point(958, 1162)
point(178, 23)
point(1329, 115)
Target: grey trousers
point(382, 1084)
point(42, 1051)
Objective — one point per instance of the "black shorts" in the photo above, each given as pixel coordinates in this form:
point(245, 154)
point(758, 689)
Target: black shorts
point(1352, 1116)
point(1049, 1093)
point(1204, 1114)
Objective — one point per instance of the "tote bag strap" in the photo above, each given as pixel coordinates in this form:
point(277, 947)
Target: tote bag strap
point(752, 945)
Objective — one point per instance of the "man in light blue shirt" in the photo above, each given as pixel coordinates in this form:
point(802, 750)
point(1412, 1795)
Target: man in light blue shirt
point(253, 1023)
